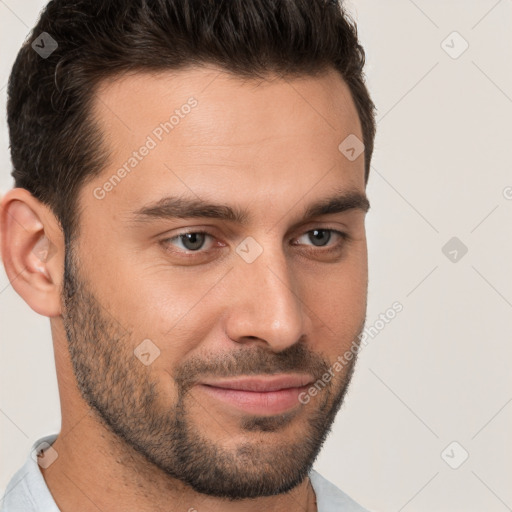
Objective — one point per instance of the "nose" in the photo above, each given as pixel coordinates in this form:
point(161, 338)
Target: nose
point(266, 307)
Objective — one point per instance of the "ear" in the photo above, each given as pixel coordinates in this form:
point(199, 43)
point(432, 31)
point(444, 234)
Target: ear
point(32, 245)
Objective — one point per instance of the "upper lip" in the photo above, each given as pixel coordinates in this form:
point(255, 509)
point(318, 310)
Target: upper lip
point(262, 383)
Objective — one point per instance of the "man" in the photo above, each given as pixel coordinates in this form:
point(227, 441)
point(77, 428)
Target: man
point(189, 213)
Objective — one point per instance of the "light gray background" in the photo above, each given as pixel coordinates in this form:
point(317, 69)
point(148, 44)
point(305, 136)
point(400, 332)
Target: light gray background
point(439, 372)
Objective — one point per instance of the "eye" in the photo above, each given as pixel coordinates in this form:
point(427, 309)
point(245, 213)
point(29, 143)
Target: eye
point(322, 237)
point(190, 241)
point(200, 242)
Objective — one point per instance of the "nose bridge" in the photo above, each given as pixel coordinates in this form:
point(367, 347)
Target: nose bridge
point(266, 305)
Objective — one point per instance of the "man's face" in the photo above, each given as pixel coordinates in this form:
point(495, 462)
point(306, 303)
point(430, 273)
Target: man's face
point(194, 350)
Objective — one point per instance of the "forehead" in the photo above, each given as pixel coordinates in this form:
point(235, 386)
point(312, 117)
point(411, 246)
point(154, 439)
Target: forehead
point(326, 93)
point(209, 131)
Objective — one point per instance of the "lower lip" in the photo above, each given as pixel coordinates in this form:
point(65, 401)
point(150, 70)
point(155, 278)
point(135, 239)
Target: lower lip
point(259, 403)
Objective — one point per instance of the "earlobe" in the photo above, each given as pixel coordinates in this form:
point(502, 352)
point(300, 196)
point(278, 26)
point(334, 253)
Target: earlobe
point(31, 240)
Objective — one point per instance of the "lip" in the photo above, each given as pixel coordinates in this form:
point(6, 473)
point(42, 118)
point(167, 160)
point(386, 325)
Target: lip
point(259, 395)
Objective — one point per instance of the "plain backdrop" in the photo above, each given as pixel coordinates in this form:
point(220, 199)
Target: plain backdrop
point(434, 384)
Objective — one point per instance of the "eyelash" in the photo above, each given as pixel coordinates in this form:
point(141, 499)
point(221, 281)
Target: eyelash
point(189, 253)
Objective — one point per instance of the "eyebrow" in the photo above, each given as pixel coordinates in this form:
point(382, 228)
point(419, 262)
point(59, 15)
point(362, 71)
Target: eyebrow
point(183, 208)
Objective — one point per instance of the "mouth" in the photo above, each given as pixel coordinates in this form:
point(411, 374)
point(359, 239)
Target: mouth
point(264, 395)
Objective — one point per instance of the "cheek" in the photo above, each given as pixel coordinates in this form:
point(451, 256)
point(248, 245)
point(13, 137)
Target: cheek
point(337, 304)
point(340, 305)
point(175, 309)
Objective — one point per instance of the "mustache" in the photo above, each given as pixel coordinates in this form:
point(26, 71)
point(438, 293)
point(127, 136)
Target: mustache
point(297, 358)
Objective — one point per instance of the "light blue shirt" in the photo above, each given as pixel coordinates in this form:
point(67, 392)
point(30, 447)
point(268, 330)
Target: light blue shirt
point(27, 491)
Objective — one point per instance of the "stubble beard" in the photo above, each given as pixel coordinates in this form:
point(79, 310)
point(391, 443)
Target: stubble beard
point(125, 396)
